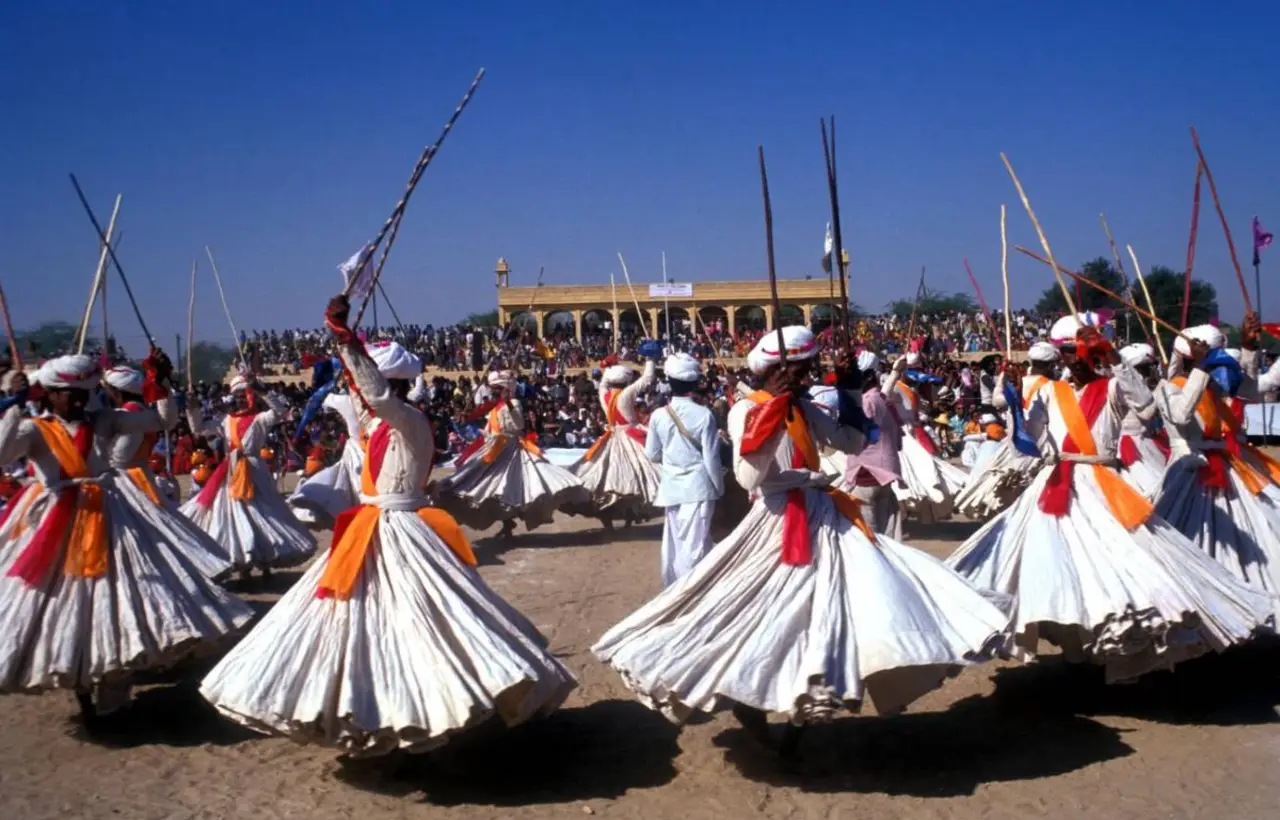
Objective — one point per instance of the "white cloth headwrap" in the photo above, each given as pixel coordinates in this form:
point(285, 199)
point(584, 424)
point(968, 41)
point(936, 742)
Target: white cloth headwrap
point(1066, 328)
point(1138, 354)
point(1208, 334)
point(76, 371)
point(827, 398)
point(618, 374)
point(125, 379)
point(867, 360)
point(913, 359)
point(988, 418)
point(1043, 352)
point(239, 383)
point(682, 367)
point(800, 341)
point(393, 361)
point(502, 378)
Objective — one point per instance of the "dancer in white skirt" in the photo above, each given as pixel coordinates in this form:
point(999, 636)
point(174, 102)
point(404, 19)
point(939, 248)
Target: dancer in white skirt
point(504, 476)
point(1142, 450)
point(96, 582)
point(129, 455)
point(622, 481)
point(997, 483)
point(317, 500)
point(873, 474)
point(391, 640)
point(802, 609)
point(239, 506)
point(684, 439)
point(929, 484)
point(1091, 569)
point(1219, 490)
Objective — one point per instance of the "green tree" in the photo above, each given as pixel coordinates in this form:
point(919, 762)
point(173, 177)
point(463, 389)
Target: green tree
point(210, 361)
point(1053, 303)
point(933, 301)
point(1167, 288)
point(47, 340)
point(487, 319)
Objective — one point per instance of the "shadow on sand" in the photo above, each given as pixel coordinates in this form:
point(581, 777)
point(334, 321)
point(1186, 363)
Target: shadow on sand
point(490, 549)
point(598, 751)
point(166, 716)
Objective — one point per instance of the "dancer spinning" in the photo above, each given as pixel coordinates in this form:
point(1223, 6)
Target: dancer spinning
point(873, 474)
point(684, 439)
point(623, 483)
point(994, 485)
point(95, 582)
point(1090, 568)
point(239, 506)
point(504, 476)
point(1143, 452)
point(391, 640)
point(802, 609)
point(929, 484)
point(1219, 490)
point(320, 497)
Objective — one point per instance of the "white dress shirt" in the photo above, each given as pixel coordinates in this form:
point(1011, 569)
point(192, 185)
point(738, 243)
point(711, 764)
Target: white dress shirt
point(690, 472)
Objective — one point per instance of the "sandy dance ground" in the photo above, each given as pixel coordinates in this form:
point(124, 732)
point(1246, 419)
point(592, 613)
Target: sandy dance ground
point(1001, 741)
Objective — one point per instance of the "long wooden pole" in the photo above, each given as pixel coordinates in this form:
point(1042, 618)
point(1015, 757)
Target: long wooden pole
point(1004, 276)
point(643, 324)
point(191, 324)
point(1124, 277)
point(616, 318)
point(222, 294)
point(1222, 217)
point(98, 274)
point(773, 272)
point(915, 306)
point(1142, 282)
point(833, 192)
point(14, 354)
point(115, 260)
point(1044, 240)
point(982, 302)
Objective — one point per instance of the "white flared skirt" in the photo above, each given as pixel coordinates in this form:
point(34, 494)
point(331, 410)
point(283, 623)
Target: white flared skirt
point(517, 485)
point(259, 532)
point(423, 649)
point(862, 618)
point(929, 484)
point(1234, 527)
point(1147, 473)
point(619, 478)
point(1133, 601)
point(154, 607)
point(320, 498)
point(997, 483)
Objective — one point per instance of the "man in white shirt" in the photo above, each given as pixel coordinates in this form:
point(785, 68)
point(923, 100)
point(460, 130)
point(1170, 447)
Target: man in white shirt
point(683, 439)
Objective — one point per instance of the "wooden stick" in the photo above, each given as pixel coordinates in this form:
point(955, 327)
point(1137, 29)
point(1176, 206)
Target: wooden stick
point(616, 318)
point(1226, 229)
point(911, 326)
point(392, 225)
point(773, 273)
point(225, 309)
point(191, 324)
point(115, 260)
point(715, 352)
point(1124, 277)
point(643, 324)
point(1191, 246)
point(1084, 280)
point(98, 274)
point(1142, 282)
point(1044, 240)
point(14, 354)
point(837, 252)
point(1004, 275)
point(982, 303)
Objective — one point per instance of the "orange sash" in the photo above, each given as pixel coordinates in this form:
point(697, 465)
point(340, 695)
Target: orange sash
point(1030, 395)
point(87, 544)
point(241, 479)
point(912, 397)
point(355, 528)
point(143, 482)
point(610, 419)
point(1221, 424)
point(501, 440)
point(1127, 504)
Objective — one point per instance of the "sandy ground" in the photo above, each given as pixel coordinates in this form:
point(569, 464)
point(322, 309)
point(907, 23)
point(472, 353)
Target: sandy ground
point(1001, 741)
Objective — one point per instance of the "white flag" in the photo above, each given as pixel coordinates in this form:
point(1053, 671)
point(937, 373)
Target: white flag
point(363, 278)
point(827, 245)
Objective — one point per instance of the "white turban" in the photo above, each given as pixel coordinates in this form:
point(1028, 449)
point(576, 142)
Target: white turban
point(419, 391)
point(1138, 354)
point(1208, 334)
point(682, 367)
point(239, 383)
point(617, 375)
point(913, 359)
point(989, 418)
point(1043, 352)
point(827, 398)
point(1233, 352)
point(1066, 328)
point(393, 361)
point(77, 371)
point(800, 341)
point(867, 360)
point(502, 378)
point(124, 379)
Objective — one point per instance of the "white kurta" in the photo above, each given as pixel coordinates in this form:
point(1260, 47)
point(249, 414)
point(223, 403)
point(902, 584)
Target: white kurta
point(861, 618)
point(620, 478)
point(261, 531)
point(336, 487)
point(995, 484)
point(422, 648)
point(1133, 601)
point(692, 480)
point(506, 479)
point(154, 606)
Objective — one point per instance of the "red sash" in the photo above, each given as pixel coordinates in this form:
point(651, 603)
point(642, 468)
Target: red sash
point(242, 481)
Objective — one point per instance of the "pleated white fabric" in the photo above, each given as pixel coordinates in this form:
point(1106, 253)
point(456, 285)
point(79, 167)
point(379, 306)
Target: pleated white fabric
point(620, 479)
point(154, 607)
point(258, 532)
point(686, 538)
point(995, 485)
point(517, 485)
point(1147, 473)
point(422, 649)
point(881, 619)
point(1235, 528)
point(929, 484)
point(320, 498)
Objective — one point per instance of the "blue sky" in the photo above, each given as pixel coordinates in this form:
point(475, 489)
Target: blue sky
point(282, 133)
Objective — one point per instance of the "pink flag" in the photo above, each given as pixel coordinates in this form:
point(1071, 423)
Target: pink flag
point(1261, 239)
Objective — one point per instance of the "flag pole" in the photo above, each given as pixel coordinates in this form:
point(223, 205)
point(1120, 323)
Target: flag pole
point(1257, 293)
point(666, 296)
point(773, 273)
